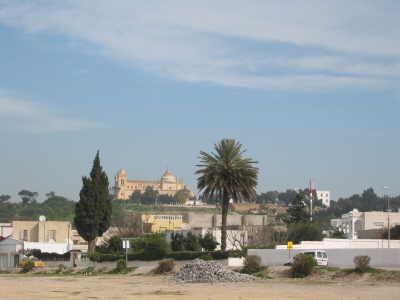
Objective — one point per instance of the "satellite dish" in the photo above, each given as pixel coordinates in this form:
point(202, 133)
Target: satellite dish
point(42, 219)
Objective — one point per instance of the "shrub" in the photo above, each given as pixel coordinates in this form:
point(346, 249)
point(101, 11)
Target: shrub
point(252, 264)
point(362, 263)
point(100, 257)
point(237, 253)
point(153, 247)
point(206, 257)
point(191, 242)
point(27, 265)
point(303, 265)
point(121, 266)
point(165, 266)
point(114, 244)
point(208, 242)
point(304, 232)
point(177, 242)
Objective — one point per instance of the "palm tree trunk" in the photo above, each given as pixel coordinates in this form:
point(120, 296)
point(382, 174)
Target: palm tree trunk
point(225, 206)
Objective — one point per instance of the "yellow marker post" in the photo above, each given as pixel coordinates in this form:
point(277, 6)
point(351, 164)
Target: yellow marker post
point(289, 246)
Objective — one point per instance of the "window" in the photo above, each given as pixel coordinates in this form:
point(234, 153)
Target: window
point(51, 235)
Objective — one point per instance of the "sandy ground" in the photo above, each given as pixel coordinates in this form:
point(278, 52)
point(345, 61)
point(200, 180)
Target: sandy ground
point(15, 287)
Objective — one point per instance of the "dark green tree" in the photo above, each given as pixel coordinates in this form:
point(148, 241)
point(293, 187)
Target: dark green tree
point(28, 197)
point(297, 212)
point(93, 211)
point(182, 196)
point(177, 242)
point(226, 174)
point(191, 242)
point(149, 196)
point(135, 197)
point(208, 242)
point(304, 232)
point(4, 198)
point(338, 234)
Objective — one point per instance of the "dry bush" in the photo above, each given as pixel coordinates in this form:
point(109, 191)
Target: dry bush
point(303, 265)
point(252, 264)
point(165, 266)
point(362, 263)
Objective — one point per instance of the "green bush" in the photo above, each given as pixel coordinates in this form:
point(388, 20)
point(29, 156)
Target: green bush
point(237, 253)
point(252, 264)
point(303, 265)
point(100, 257)
point(27, 265)
point(362, 263)
point(121, 266)
point(153, 247)
point(115, 244)
point(177, 242)
point(208, 242)
point(191, 242)
point(165, 266)
point(206, 257)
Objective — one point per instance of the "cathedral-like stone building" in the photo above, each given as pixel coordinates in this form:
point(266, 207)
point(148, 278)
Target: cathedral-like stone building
point(168, 185)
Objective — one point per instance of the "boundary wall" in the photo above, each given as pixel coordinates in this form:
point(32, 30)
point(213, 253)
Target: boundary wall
point(380, 257)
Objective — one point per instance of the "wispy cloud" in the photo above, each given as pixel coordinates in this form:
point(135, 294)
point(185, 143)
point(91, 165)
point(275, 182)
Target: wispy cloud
point(36, 118)
point(299, 44)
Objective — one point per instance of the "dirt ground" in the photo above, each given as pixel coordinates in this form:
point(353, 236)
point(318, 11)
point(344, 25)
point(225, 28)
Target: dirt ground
point(15, 287)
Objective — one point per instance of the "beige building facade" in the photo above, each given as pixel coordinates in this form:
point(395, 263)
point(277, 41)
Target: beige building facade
point(42, 231)
point(167, 185)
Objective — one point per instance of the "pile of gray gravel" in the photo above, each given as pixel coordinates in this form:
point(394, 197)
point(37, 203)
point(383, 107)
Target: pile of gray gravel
point(208, 271)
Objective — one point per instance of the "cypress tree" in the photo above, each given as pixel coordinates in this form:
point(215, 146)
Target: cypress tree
point(93, 211)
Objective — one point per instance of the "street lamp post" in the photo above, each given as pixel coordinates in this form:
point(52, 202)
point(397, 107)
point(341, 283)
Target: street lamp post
point(388, 212)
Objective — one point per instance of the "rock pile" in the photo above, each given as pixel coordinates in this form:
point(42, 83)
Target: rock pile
point(208, 271)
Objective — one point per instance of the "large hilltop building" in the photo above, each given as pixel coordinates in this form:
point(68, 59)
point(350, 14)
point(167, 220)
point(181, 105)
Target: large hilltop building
point(167, 185)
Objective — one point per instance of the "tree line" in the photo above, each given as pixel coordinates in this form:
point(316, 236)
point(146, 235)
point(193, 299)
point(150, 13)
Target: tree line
point(54, 207)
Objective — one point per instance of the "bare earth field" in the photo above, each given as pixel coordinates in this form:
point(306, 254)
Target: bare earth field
point(15, 287)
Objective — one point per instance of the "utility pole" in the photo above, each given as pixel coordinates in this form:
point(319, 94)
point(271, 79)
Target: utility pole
point(388, 212)
point(311, 200)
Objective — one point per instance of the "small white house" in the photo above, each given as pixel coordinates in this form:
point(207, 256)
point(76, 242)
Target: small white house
point(11, 252)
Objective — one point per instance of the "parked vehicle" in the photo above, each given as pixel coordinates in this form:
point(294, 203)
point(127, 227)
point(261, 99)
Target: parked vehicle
point(320, 256)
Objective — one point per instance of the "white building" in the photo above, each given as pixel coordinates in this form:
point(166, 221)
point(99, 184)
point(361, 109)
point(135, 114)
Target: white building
point(11, 251)
point(325, 197)
point(355, 221)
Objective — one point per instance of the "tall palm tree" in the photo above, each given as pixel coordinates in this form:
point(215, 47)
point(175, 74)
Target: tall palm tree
point(226, 174)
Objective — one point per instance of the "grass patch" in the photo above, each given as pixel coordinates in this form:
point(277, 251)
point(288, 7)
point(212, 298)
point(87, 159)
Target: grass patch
point(387, 275)
point(262, 274)
point(329, 269)
point(123, 271)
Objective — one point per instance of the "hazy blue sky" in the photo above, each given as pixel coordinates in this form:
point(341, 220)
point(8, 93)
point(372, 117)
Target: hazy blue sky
point(311, 88)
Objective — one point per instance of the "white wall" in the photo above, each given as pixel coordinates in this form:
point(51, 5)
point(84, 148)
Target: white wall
point(336, 257)
point(344, 244)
